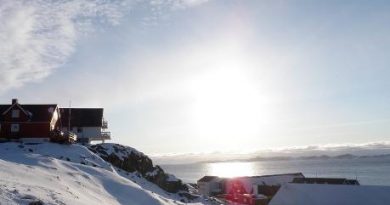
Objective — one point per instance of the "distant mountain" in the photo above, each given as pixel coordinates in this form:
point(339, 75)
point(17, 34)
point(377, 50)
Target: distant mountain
point(314, 157)
point(346, 156)
point(376, 156)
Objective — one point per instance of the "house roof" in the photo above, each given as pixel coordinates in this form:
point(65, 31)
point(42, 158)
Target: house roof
point(297, 174)
point(37, 112)
point(321, 194)
point(207, 178)
point(269, 180)
point(82, 117)
point(275, 179)
point(324, 181)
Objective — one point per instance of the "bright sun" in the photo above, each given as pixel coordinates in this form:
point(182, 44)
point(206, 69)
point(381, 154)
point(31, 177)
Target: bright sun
point(227, 104)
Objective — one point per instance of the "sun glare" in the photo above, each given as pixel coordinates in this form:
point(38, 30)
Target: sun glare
point(231, 169)
point(228, 104)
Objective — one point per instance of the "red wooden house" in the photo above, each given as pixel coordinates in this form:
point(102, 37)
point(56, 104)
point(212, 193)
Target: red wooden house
point(28, 121)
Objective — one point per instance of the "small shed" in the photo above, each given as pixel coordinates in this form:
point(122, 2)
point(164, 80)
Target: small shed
point(210, 185)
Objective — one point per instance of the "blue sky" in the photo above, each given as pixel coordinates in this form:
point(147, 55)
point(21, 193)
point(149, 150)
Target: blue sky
point(204, 76)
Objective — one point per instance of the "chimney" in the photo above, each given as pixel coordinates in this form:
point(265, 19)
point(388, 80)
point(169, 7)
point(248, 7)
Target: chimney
point(14, 101)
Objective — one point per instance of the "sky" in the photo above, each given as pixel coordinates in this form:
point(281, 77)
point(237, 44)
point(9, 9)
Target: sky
point(198, 76)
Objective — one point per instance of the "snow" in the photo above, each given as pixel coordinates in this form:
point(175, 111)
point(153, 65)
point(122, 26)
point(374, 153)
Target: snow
point(121, 151)
point(71, 174)
point(145, 184)
point(172, 178)
point(320, 194)
point(274, 179)
point(153, 173)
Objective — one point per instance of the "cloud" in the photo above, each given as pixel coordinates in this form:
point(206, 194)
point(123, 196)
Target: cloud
point(39, 36)
point(364, 149)
point(372, 148)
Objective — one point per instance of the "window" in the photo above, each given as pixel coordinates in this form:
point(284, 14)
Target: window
point(15, 113)
point(14, 127)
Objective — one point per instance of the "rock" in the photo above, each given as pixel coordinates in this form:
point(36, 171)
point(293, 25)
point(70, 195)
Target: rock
point(131, 160)
point(39, 202)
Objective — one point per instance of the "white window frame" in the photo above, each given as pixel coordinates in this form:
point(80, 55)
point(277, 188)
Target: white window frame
point(15, 127)
point(15, 113)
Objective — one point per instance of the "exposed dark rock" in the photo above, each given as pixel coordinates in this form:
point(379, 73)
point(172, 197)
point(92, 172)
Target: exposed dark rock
point(131, 160)
point(39, 202)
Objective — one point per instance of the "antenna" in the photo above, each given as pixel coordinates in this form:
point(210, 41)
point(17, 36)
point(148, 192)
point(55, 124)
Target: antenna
point(70, 114)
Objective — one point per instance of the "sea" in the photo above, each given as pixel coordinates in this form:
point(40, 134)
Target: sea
point(368, 171)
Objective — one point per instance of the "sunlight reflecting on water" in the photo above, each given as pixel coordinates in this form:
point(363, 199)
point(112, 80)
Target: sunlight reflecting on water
point(231, 169)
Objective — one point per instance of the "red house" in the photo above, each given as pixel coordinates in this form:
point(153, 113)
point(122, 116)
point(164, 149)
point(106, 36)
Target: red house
point(28, 121)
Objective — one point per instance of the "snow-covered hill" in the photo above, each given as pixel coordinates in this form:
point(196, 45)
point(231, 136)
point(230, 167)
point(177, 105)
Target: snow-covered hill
point(131, 160)
point(72, 174)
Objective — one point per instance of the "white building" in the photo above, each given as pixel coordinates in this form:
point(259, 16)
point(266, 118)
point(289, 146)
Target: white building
point(87, 123)
point(210, 185)
point(250, 184)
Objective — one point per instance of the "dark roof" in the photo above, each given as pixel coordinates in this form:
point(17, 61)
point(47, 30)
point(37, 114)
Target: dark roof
point(352, 181)
point(38, 113)
point(275, 175)
point(207, 178)
point(325, 181)
point(82, 117)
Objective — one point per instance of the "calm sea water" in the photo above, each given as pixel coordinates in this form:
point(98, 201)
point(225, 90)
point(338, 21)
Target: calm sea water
point(369, 171)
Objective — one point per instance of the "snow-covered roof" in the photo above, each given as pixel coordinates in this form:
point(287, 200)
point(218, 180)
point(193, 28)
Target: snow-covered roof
point(319, 194)
point(208, 178)
point(277, 179)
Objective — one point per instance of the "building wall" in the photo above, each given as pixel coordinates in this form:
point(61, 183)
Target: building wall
point(86, 132)
point(209, 188)
point(204, 188)
point(55, 122)
point(26, 130)
point(239, 186)
point(22, 117)
point(91, 132)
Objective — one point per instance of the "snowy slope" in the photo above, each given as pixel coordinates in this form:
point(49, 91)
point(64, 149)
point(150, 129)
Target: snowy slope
point(131, 160)
point(70, 174)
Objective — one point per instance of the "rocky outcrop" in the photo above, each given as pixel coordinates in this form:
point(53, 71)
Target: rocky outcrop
point(131, 160)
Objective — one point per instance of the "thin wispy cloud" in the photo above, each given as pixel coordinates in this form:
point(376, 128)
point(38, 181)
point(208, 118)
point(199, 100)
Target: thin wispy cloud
point(39, 36)
point(215, 76)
